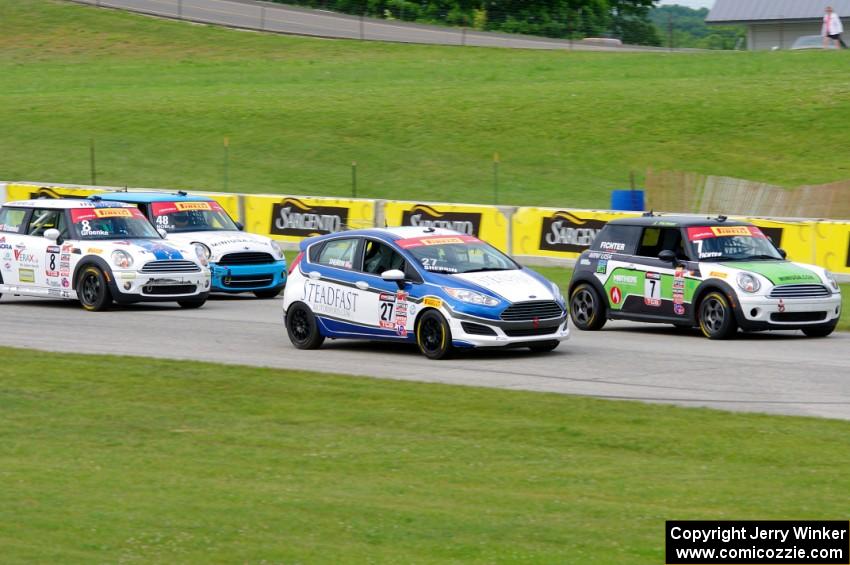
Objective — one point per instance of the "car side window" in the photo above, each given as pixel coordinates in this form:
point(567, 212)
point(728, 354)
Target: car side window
point(616, 239)
point(12, 219)
point(656, 240)
point(43, 220)
point(339, 253)
point(379, 257)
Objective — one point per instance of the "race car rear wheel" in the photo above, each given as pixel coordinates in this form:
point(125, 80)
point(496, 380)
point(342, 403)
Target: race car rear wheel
point(433, 335)
point(193, 303)
point(544, 346)
point(93, 290)
point(302, 327)
point(716, 318)
point(820, 331)
point(586, 308)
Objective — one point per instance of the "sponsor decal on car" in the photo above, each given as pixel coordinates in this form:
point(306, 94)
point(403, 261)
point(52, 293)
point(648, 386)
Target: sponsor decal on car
point(563, 231)
point(616, 295)
point(710, 232)
point(113, 213)
point(3, 244)
point(433, 302)
point(429, 217)
point(293, 217)
point(717, 274)
point(330, 300)
point(436, 240)
point(679, 291)
point(26, 275)
point(186, 206)
point(612, 246)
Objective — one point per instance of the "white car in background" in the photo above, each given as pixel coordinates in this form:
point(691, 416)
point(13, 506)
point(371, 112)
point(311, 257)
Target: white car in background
point(95, 252)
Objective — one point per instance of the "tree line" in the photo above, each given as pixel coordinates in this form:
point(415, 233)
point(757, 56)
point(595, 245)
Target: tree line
point(627, 20)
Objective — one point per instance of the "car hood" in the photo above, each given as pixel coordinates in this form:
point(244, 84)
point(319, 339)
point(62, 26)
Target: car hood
point(515, 286)
point(222, 242)
point(778, 272)
point(142, 249)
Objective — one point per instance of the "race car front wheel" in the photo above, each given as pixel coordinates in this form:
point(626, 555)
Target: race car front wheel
point(433, 335)
point(302, 327)
point(716, 318)
point(586, 308)
point(93, 290)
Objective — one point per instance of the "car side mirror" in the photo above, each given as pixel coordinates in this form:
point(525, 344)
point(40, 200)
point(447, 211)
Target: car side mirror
point(240, 226)
point(162, 232)
point(782, 252)
point(668, 256)
point(394, 275)
point(52, 234)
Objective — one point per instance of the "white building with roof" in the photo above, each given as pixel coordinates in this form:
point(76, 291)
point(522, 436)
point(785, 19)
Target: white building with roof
point(776, 23)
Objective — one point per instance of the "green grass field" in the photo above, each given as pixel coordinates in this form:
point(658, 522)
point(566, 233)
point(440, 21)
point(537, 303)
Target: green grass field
point(117, 459)
point(422, 122)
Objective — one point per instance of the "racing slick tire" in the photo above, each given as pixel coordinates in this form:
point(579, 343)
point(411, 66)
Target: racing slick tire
point(716, 317)
point(302, 328)
point(433, 335)
point(93, 290)
point(268, 293)
point(191, 304)
point(544, 346)
point(822, 330)
point(587, 310)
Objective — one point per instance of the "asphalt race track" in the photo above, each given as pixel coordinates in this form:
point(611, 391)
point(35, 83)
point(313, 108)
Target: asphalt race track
point(778, 372)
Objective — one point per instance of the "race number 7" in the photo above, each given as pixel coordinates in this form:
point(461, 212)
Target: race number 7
point(652, 289)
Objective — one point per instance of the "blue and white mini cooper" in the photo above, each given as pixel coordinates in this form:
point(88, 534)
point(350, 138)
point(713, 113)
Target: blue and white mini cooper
point(438, 288)
point(239, 261)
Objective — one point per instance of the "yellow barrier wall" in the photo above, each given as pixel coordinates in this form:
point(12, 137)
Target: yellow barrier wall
point(553, 232)
point(292, 218)
point(833, 246)
point(486, 222)
point(797, 238)
point(18, 191)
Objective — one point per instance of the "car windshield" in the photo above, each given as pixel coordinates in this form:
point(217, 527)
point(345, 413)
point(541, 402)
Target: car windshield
point(176, 217)
point(111, 223)
point(454, 254)
point(731, 243)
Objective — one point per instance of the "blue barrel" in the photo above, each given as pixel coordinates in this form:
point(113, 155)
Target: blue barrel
point(628, 200)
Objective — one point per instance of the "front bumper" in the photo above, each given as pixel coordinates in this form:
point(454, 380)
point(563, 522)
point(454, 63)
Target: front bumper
point(132, 286)
point(246, 278)
point(468, 331)
point(763, 313)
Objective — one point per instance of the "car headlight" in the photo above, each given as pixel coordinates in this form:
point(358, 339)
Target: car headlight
point(277, 250)
point(122, 259)
point(831, 280)
point(471, 296)
point(748, 282)
point(556, 292)
point(203, 252)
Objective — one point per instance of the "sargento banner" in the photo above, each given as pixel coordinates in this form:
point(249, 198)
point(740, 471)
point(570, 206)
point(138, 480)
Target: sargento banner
point(295, 217)
point(425, 216)
point(486, 222)
point(292, 218)
point(562, 233)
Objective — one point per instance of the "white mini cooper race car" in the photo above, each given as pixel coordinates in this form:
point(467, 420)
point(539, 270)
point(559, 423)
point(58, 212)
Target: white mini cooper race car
point(96, 252)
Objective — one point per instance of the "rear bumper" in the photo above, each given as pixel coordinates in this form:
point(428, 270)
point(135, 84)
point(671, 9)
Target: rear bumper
point(246, 278)
point(762, 313)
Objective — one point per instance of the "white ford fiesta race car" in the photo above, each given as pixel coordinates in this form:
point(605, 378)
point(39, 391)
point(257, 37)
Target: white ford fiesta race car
point(96, 252)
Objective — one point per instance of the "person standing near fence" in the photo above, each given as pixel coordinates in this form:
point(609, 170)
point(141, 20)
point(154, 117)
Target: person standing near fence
point(832, 29)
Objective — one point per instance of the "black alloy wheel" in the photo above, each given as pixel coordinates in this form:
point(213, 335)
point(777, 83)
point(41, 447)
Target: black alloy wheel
point(586, 308)
point(93, 290)
point(433, 335)
point(302, 327)
point(716, 318)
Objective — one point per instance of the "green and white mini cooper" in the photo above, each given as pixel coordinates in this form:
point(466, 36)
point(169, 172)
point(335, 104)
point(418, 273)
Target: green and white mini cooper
point(717, 274)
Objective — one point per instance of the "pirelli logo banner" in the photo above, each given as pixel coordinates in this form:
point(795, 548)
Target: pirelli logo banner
point(292, 218)
point(485, 222)
point(553, 232)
